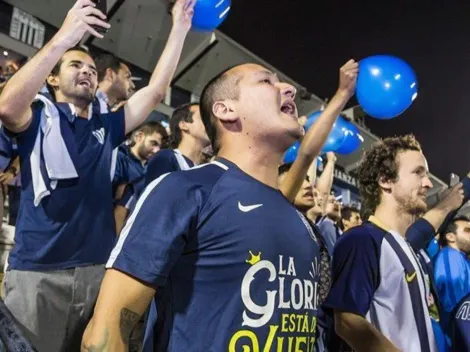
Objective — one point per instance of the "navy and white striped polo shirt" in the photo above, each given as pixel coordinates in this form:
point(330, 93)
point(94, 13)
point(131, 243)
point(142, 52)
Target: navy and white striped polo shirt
point(74, 225)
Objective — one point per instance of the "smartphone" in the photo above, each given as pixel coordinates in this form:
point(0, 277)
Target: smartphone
point(103, 7)
point(454, 179)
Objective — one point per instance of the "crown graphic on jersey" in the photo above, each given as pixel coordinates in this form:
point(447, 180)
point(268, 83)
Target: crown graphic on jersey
point(254, 258)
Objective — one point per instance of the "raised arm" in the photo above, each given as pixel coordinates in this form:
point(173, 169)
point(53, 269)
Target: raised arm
point(317, 134)
point(121, 303)
point(422, 231)
point(452, 201)
point(144, 101)
point(19, 92)
point(325, 181)
point(312, 172)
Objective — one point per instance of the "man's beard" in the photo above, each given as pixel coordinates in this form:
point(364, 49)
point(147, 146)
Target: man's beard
point(464, 246)
point(411, 206)
point(84, 97)
point(141, 153)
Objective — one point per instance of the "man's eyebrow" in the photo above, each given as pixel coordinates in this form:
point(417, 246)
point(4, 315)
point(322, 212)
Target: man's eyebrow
point(82, 63)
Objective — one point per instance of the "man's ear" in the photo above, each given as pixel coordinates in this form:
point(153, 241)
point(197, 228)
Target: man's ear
point(450, 237)
point(110, 74)
point(385, 184)
point(139, 136)
point(225, 111)
point(183, 125)
point(53, 81)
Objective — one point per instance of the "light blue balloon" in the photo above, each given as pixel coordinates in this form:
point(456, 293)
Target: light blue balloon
point(386, 86)
point(352, 141)
point(209, 14)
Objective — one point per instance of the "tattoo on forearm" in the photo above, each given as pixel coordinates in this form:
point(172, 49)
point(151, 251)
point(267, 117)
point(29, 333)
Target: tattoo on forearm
point(127, 323)
point(100, 347)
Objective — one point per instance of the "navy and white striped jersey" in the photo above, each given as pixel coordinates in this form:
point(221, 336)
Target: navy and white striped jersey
point(369, 280)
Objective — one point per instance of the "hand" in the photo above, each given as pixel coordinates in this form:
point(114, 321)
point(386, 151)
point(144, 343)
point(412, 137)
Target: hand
point(182, 13)
point(452, 198)
point(6, 177)
point(302, 120)
point(79, 21)
point(348, 78)
point(331, 156)
point(118, 105)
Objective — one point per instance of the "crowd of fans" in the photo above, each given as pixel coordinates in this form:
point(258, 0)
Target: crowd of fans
point(130, 236)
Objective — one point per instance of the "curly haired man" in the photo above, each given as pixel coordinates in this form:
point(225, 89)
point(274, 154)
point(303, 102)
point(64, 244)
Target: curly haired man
point(381, 295)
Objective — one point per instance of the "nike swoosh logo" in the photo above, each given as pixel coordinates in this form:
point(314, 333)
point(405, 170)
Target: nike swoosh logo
point(248, 208)
point(411, 277)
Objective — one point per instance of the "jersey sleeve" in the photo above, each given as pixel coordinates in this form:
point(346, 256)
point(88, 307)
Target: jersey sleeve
point(115, 125)
point(27, 138)
point(355, 273)
point(420, 234)
point(156, 233)
point(161, 163)
point(121, 173)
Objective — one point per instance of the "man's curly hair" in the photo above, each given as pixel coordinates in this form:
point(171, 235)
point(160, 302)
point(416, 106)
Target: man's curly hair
point(380, 162)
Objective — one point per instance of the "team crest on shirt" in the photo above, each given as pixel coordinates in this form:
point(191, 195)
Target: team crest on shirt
point(288, 294)
point(99, 135)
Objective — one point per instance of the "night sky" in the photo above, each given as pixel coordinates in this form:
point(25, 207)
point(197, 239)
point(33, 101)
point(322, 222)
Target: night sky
point(309, 40)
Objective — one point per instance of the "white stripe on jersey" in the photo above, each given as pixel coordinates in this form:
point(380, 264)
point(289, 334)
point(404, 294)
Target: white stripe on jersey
point(113, 163)
point(218, 163)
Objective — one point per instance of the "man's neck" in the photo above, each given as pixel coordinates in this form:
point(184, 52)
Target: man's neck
point(192, 149)
point(453, 246)
point(134, 152)
point(393, 218)
point(106, 90)
point(258, 163)
point(332, 218)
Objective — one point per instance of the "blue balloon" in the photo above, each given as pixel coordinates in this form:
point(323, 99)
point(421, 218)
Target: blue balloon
point(291, 153)
point(337, 135)
point(386, 86)
point(209, 14)
point(352, 141)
